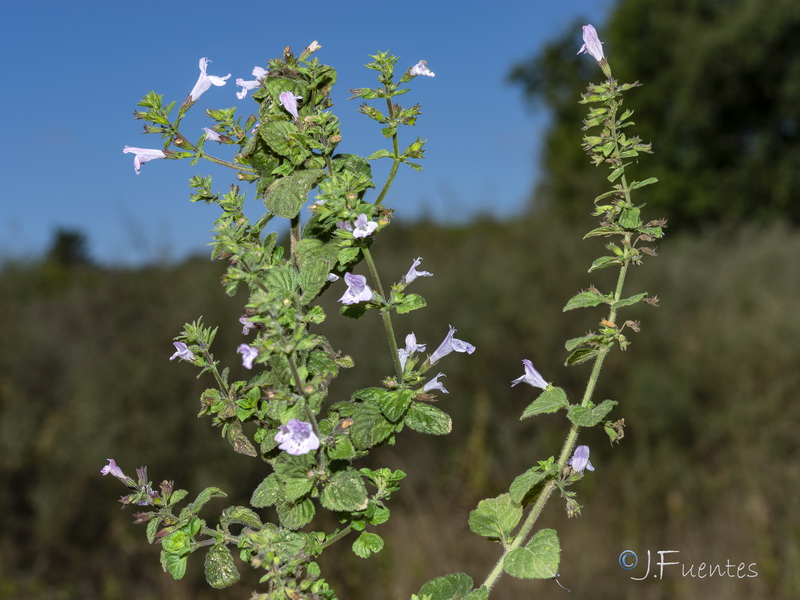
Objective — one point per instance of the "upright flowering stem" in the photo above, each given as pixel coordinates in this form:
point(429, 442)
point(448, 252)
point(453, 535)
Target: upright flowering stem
point(395, 153)
point(385, 315)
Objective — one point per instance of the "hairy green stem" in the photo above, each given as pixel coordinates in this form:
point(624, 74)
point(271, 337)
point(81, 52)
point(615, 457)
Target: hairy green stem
point(385, 315)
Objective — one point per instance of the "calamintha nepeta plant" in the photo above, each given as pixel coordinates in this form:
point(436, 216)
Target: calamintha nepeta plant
point(311, 442)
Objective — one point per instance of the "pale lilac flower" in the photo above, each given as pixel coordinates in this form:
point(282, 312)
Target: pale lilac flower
point(142, 155)
point(591, 43)
point(112, 469)
point(363, 227)
point(259, 73)
point(434, 384)
point(289, 102)
point(357, 289)
point(421, 68)
point(247, 325)
point(344, 225)
point(413, 273)
point(297, 437)
point(332, 277)
point(531, 376)
point(205, 81)
point(182, 352)
point(580, 459)
point(248, 355)
point(212, 135)
point(411, 347)
point(450, 344)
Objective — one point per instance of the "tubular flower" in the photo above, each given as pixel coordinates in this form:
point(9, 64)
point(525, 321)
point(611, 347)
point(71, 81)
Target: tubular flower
point(259, 73)
point(112, 469)
point(357, 289)
point(247, 325)
point(182, 352)
point(451, 344)
point(142, 155)
point(212, 135)
point(363, 227)
point(205, 81)
point(580, 459)
point(248, 355)
point(434, 384)
point(289, 102)
point(531, 376)
point(421, 68)
point(297, 437)
point(413, 273)
point(411, 347)
point(592, 44)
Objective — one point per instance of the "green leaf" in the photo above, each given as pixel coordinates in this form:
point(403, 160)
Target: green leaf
point(538, 559)
point(282, 280)
point(341, 449)
point(152, 528)
point(603, 231)
point(367, 543)
point(239, 515)
point(581, 355)
point(447, 587)
point(175, 565)
point(345, 492)
point(495, 517)
point(382, 153)
point(239, 440)
point(313, 277)
point(584, 300)
point(525, 483)
point(204, 496)
point(616, 173)
point(589, 416)
point(178, 542)
point(348, 255)
point(549, 401)
point(638, 184)
point(428, 419)
point(631, 300)
point(295, 516)
point(604, 262)
point(369, 427)
point(220, 570)
point(410, 302)
point(393, 404)
point(276, 135)
point(297, 487)
point(573, 343)
point(267, 493)
point(480, 593)
point(286, 196)
point(629, 219)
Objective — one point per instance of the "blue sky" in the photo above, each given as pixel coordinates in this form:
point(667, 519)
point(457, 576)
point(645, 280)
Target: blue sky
point(74, 72)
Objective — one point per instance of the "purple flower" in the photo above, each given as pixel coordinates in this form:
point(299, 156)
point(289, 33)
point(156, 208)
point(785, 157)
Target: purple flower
point(247, 325)
point(591, 43)
point(421, 68)
point(364, 227)
point(344, 225)
point(205, 81)
point(112, 469)
point(289, 102)
point(248, 355)
point(182, 352)
point(259, 74)
point(413, 273)
point(212, 135)
point(332, 277)
point(357, 289)
point(297, 437)
point(580, 459)
point(411, 347)
point(450, 344)
point(434, 384)
point(142, 155)
point(531, 376)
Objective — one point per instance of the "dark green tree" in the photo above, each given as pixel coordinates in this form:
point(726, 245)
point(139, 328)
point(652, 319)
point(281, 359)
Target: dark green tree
point(721, 98)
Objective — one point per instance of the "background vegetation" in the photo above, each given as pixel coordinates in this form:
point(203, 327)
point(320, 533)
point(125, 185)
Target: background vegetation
point(709, 389)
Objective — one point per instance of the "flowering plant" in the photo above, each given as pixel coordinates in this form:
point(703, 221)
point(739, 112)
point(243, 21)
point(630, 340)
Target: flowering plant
point(288, 150)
